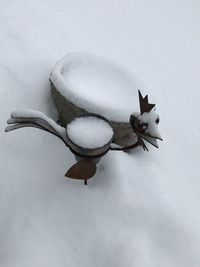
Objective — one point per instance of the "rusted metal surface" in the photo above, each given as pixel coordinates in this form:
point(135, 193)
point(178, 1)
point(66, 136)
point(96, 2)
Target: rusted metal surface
point(145, 106)
point(82, 170)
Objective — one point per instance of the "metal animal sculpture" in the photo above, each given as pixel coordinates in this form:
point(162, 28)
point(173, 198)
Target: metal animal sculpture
point(143, 124)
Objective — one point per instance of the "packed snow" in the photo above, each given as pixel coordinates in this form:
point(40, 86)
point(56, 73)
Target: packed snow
point(150, 119)
point(89, 132)
point(141, 209)
point(97, 85)
point(30, 113)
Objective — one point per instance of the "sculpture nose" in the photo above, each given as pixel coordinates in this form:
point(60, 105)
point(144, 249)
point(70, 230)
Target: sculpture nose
point(152, 130)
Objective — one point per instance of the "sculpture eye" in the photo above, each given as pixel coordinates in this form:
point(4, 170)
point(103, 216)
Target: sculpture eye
point(157, 121)
point(143, 126)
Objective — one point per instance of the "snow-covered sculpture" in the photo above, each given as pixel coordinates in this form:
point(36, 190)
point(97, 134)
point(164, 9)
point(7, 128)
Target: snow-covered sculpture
point(90, 136)
point(92, 126)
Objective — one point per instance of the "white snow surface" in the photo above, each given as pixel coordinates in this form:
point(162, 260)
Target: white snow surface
point(89, 132)
point(30, 113)
point(150, 119)
point(141, 209)
point(98, 85)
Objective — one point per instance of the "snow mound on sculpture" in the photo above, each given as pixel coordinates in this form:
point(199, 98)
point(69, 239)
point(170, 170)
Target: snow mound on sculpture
point(151, 119)
point(89, 132)
point(97, 84)
point(34, 114)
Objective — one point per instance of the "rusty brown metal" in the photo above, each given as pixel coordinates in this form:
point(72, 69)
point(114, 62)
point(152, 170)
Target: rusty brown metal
point(82, 170)
point(145, 106)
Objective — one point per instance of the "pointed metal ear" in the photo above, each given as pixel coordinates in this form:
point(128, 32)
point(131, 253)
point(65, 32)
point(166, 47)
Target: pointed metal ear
point(144, 105)
point(82, 170)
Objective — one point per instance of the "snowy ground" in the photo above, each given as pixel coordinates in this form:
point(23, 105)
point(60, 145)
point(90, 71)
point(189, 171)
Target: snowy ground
point(141, 209)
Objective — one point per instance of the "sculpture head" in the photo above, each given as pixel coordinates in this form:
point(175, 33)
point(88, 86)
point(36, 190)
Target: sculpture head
point(145, 123)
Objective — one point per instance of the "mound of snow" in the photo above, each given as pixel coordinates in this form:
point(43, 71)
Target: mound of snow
point(97, 84)
point(35, 114)
point(150, 119)
point(89, 132)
